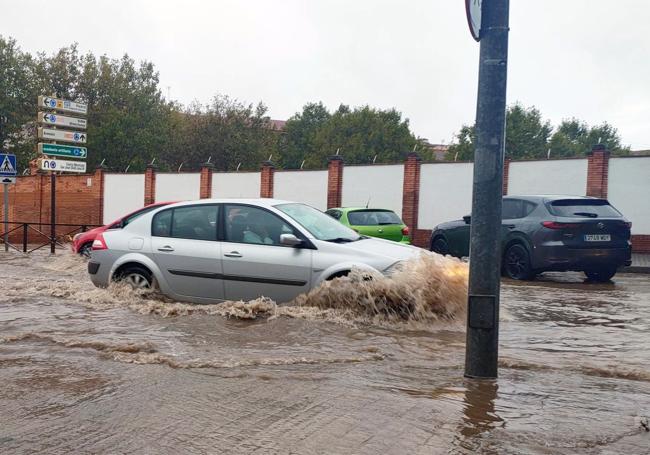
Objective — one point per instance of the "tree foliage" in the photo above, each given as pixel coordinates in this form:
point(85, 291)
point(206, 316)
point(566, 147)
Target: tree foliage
point(529, 136)
point(362, 134)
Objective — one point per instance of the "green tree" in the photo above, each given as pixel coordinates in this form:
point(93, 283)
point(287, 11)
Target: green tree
point(575, 138)
point(300, 134)
point(527, 136)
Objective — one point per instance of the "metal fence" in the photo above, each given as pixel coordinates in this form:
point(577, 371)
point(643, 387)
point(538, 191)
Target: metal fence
point(23, 230)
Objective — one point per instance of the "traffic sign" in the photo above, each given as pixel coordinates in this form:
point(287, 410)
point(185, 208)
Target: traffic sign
point(62, 165)
point(473, 9)
point(61, 120)
point(62, 135)
point(69, 151)
point(8, 165)
point(7, 180)
point(47, 102)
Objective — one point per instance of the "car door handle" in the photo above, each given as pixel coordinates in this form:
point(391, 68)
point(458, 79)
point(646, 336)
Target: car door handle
point(233, 254)
point(165, 248)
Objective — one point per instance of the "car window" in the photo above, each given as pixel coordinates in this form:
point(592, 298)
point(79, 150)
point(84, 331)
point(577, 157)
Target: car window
point(373, 218)
point(336, 214)
point(135, 215)
point(246, 224)
point(591, 208)
point(197, 222)
point(528, 208)
point(320, 225)
point(512, 209)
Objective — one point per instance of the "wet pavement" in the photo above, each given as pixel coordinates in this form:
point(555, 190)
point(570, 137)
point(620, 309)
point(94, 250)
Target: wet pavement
point(90, 371)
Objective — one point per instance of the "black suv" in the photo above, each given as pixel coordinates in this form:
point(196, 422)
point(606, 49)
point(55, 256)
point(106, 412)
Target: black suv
point(550, 233)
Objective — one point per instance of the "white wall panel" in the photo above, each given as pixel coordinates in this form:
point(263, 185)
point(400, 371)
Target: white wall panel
point(445, 193)
point(309, 187)
point(236, 184)
point(123, 193)
point(629, 190)
point(548, 177)
point(178, 187)
point(381, 185)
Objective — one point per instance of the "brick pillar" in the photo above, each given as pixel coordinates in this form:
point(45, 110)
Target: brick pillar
point(506, 173)
point(334, 181)
point(411, 191)
point(597, 170)
point(98, 193)
point(266, 176)
point(205, 191)
point(149, 185)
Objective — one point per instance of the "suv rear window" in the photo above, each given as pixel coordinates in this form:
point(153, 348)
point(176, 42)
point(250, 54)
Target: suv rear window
point(590, 208)
point(373, 218)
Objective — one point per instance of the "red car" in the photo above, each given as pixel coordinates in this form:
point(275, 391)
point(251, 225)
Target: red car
point(82, 242)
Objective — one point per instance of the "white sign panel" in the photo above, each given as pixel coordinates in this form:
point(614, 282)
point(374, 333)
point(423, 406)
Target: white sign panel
point(63, 165)
point(61, 120)
point(473, 11)
point(58, 104)
point(62, 135)
point(7, 180)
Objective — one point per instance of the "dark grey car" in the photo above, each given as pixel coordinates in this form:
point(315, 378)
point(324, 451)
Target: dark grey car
point(550, 233)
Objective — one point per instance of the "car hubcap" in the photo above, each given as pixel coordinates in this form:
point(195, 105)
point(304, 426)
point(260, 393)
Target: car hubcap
point(516, 264)
point(137, 281)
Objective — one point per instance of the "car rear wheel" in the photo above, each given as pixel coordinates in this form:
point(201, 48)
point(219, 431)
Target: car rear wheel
point(440, 246)
point(601, 275)
point(516, 263)
point(85, 250)
point(136, 277)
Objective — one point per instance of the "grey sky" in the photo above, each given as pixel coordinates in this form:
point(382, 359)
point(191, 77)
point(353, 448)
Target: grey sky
point(582, 58)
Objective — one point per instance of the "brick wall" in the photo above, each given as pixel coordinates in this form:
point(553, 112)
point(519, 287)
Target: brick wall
point(334, 181)
point(266, 182)
point(506, 174)
point(411, 191)
point(597, 171)
point(205, 189)
point(149, 185)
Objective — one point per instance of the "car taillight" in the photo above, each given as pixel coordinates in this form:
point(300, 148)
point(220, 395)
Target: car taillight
point(405, 230)
point(556, 225)
point(99, 243)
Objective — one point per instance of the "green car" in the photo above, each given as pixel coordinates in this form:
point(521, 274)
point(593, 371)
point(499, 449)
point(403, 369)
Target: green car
point(381, 223)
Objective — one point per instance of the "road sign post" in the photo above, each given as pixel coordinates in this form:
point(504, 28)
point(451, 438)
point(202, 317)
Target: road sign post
point(8, 171)
point(481, 352)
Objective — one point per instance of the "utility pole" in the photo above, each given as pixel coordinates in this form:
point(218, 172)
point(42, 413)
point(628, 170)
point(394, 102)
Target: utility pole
point(481, 354)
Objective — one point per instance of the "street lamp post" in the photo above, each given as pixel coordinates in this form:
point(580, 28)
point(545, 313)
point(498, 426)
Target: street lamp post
point(481, 355)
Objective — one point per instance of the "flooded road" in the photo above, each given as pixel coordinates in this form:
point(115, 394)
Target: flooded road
point(90, 371)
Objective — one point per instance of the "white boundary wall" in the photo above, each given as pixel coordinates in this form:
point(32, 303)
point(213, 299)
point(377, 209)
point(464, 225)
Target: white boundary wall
point(123, 193)
point(178, 187)
point(309, 187)
point(629, 190)
point(236, 184)
point(381, 184)
point(548, 177)
point(445, 193)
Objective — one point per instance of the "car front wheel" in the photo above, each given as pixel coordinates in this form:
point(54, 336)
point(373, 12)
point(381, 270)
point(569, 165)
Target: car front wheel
point(516, 263)
point(440, 246)
point(85, 250)
point(601, 275)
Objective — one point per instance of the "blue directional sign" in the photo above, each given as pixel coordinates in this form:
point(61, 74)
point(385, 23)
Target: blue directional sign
point(8, 165)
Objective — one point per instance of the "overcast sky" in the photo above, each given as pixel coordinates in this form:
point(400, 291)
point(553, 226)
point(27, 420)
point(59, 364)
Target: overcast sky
point(584, 58)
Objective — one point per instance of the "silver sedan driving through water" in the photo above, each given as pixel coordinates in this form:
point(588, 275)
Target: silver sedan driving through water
point(213, 250)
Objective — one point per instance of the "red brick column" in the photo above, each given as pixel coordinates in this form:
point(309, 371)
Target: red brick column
point(334, 181)
point(98, 193)
point(506, 173)
point(205, 191)
point(597, 171)
point(411, 191)
point(266, 176)
point(149, 185)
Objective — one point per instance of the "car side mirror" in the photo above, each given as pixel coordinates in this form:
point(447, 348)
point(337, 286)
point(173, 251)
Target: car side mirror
point(467, 219)
point(290, 240)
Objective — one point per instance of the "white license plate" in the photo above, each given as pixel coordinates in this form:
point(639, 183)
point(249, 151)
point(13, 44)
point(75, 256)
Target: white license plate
point(598, 238)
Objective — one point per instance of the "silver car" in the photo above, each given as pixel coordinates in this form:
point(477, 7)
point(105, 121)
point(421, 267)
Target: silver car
point(213, 250)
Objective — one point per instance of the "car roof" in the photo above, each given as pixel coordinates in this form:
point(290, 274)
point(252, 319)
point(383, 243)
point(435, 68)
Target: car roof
point(352, 209)
point(264, 202)
point(547, 197)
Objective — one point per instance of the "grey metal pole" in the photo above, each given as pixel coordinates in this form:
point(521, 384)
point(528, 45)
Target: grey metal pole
point(6, 207)
point(481, 354)
point(53, 213)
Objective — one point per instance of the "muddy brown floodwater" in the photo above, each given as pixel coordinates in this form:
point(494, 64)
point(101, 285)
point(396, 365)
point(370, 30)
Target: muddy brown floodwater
point(352, 368)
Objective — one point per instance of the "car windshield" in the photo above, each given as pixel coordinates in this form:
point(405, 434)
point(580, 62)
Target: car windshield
point(320, 225)
point(591, 208)
point(373, 218)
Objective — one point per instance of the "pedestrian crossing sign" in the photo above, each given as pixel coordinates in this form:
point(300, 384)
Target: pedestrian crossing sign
point(7, 165)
